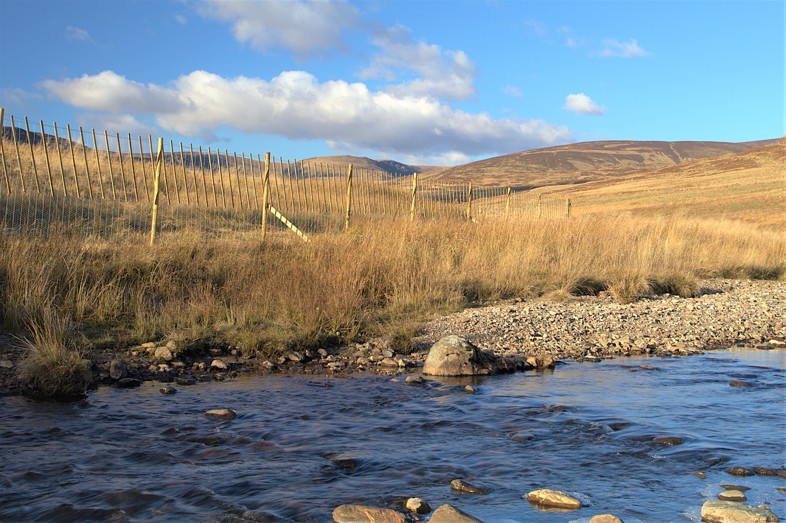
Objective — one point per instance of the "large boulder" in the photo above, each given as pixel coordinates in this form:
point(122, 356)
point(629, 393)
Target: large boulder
point(455, 356)
point(730, 512)
point(364, 514)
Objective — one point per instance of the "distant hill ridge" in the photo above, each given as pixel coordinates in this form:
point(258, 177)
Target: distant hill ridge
point(586, 161)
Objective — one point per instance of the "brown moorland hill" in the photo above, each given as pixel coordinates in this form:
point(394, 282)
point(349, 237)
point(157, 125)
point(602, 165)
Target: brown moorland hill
point(749, 186)
point(361, 162)
point(583, 162)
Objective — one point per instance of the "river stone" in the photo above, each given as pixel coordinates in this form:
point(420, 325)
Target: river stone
point(737, 383)
point(450, 514)
point(414, 379)
point(732, 495)
point(739, 471)
point(741, 488)
point(162, 354)
point(221, 414)
point(553, 499)
point(730, 512)
point(364, 514)
point(605, 518)
point(459, 485)
point(418, 506)
point(455, 356)
point(762, 471)
point(117, 369)
point(167, 389)
point(669, 440)
point(218, 364)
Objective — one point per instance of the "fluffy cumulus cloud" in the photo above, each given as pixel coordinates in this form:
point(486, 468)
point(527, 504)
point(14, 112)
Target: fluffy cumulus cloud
point(306, 27)
point(629, 49)
point(582, 104)
point(295, 104)
point(438, 73)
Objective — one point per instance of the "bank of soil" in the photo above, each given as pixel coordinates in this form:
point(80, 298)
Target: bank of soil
point(726, 313)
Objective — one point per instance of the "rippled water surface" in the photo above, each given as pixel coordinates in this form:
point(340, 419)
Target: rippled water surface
point(585, 428)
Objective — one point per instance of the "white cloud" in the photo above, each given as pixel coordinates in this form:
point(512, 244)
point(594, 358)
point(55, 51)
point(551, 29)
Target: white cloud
point(444, 74)
point(296, 105)
point(76, 33)
point(582, 104)
point(306, 27)
point(629, 49)
point(512, 91)
point(181, 19)
point(108, 91)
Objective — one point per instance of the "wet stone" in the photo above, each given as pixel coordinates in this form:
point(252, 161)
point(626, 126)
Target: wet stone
point(414, 379)
point(605, 518)
point(739, 471)
point(225, 414)
point(548, 498)
point(700, 475)
point(167, 389)
point(469, 389)
point(418, 506)
point(728, 511)
point(668, 440)
point(459, 485)
point(450, 514)
point(732, 495)
point(761, 471)
point(737, 383)
point(741, 488)
point(366, 514)
point(117, 369)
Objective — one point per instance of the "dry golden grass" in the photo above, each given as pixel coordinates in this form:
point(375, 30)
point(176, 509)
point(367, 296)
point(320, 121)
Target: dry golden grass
point(374, 280)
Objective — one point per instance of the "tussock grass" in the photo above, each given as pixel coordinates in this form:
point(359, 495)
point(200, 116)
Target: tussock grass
point(53, 366)
point(379, 279)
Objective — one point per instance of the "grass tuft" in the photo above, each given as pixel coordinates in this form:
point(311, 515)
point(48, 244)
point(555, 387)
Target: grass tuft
point(53, 367)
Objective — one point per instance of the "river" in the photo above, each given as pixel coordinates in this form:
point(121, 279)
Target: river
point(585, 428)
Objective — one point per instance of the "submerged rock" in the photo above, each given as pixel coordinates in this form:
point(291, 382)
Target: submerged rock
point(730, 512)
point(117, 369)
point(669, 440)
point(455, 356)
point(739, 471)
point(459, 485)
point(128, 383)
point(221, 414)
point(167, 389)
point(450, 514)
point(365, 514)
point(548, 498)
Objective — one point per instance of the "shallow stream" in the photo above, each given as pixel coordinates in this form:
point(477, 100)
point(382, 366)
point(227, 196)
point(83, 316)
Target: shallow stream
point(587, 429)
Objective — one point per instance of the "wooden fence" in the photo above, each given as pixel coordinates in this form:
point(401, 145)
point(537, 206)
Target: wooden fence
point(94, 183)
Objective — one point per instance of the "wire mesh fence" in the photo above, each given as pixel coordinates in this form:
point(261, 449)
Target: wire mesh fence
point(88, 183)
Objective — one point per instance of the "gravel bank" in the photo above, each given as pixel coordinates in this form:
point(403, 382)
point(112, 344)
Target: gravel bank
point(725, 314)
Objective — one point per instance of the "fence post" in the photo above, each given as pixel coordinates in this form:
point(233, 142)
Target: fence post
point(2, 151)
point(156, 176)
point(414, 197)
point(46, 155)
point(507, 205)
point(18, 157)
point(73, 159)
point(32, 155)
point(540, 206)
point(60, 159)
point(567, 207)
point(469, 202)
point(265, 194)
point(349, 199)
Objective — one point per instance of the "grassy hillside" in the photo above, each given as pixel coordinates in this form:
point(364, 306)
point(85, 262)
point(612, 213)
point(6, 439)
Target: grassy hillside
point(749, 186)
point(583, 162)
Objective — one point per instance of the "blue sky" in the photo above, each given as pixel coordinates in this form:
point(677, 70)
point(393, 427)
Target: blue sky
point(429, 82)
